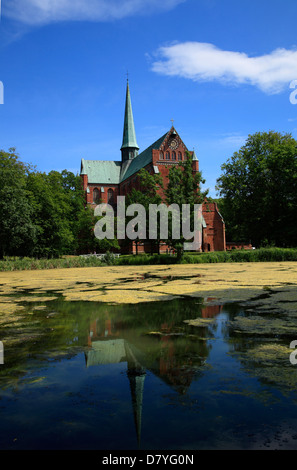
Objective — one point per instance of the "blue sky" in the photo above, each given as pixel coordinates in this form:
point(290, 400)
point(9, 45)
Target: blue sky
point(221, 69)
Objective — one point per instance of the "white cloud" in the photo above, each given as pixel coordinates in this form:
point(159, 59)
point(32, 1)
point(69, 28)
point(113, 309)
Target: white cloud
point(205, 62)
point(46, 11)
point(233, 140)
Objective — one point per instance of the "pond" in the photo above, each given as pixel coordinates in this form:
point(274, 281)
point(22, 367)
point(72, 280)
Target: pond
point(179, 374)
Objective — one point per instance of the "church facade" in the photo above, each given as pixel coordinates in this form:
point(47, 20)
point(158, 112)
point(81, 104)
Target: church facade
point(103, 180)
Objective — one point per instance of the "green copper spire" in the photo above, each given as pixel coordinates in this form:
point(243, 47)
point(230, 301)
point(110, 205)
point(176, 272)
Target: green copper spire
point(194, 156)
point(129, 146)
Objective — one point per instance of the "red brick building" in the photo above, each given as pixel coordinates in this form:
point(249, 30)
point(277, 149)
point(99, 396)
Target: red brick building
point(103, 181)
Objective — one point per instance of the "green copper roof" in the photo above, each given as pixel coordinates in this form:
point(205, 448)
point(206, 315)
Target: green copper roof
point(143, 159)
point(129, 136)
point(194, 157)
point(114, 172)
point(109, 172)
point(101, 172)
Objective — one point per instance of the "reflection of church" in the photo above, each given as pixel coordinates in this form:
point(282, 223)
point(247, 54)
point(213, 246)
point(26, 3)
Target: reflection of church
point(175, 364)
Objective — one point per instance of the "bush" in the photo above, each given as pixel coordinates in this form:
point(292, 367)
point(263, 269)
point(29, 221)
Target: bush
point(234, 256)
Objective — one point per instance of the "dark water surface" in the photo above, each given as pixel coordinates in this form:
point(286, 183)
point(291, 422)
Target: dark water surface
point(85, 375)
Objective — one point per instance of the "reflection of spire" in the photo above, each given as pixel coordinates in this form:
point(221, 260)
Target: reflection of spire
point(136, 375)
point(114, 351)
point(136, 379)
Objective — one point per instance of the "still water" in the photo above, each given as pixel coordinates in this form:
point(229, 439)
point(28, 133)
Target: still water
point(86, 375)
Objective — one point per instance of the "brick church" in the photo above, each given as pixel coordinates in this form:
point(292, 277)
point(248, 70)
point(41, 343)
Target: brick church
point(104, 180)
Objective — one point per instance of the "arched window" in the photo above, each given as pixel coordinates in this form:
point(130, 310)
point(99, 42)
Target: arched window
point(110, 198)
point(180, 156)
point(96, 196)
point(161, 156)
point(167, 156)
point(173, 156)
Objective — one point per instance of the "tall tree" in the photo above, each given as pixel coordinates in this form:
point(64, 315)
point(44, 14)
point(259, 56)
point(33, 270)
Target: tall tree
point(259, 190)
point(147, 194)
point(17, 229)
point(73, 188)
point(53, 214)
point(184, 188)
point(88, 241)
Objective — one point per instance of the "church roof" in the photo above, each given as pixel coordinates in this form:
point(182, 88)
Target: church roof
point(114, 172)
point(101, 171)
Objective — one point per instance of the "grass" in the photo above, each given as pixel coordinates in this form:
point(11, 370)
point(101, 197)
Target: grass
point(27, 264)
point(234, 256)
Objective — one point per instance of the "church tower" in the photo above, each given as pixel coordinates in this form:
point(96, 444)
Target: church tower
point(129, 147)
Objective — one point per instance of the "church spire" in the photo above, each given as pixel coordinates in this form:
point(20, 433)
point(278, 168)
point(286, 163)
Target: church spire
point(129, 146)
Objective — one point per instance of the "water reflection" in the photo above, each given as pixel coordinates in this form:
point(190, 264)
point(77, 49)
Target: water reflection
point(181, 385)
point(164, 352)
point(160, 343)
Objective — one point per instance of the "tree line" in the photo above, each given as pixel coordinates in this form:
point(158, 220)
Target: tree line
point(41, 215)
point(44, 215)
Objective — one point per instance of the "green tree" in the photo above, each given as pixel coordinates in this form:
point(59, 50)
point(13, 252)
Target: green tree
point(52, 214)
point(87, 241)
point(73, 188)
point(259, 190)
point(148, 193)
point(184, 188)
point(85, 231)
point(17, 229)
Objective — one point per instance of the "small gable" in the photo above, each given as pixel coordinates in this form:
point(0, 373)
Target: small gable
point(172, 141)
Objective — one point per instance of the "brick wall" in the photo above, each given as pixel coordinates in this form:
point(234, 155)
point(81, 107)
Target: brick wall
point(214, 234)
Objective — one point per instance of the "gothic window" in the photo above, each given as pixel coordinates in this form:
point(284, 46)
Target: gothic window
point(96, 195)
point(180, 156)
point(167, 156)
point(161, 156)
point(110, 198)
point(173, 156)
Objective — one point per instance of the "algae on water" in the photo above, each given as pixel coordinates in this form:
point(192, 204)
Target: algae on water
point(264, 325)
